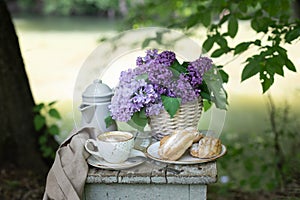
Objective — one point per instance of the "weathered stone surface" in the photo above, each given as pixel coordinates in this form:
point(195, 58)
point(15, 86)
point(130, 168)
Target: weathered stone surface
point(192, 174)
point(155, 172)
point(145, 192)
point(102, 176)
point(151, 180)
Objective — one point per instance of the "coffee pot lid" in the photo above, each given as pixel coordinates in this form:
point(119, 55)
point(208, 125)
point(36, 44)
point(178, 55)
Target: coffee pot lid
point(97, 92)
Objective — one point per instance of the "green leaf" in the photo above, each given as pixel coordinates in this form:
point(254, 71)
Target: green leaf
point(52, 103)
point(205, 95)
point(261, 24)
point(257, 42)
point(208, 43)
point(54, 113)
point(185, 64)
point(233, 26)
point(217, 53)
point(224, 76)
point(290, 65)
point(38, 108)
point(146, 42)
point(206, 19)
point(224, 19)
point(241, 47)
point(251, 69)
point(192, 20)
point(179, 68)
point(275, 65)
point(142, 77)
point(266, 81)
point(170, 104)
point(222, 42)
point(53, 129)
point(42, 139)
point(175, 72)
point(214, 83)
point(109, 121)
point(292, 35)
point(39, 121)
point(137, 122)
point(206, 105)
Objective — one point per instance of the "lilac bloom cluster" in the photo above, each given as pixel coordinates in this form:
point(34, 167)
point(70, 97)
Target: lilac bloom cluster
point(183, 89)
point(144, 96)
point(122, 107)
point(150, 56)
point(166, 58)
point(196, 70)
point(136, 91)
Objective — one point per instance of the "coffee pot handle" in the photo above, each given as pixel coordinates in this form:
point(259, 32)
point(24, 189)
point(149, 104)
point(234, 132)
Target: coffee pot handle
point(94, 143)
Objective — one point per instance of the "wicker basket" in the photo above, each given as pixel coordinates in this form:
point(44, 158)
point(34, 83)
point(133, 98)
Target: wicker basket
point(187, 116)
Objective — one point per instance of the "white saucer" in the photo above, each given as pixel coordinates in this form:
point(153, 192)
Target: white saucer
point(138, 159)
point(152, 152)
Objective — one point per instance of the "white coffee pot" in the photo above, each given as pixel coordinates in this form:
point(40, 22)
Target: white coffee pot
point(94, 108)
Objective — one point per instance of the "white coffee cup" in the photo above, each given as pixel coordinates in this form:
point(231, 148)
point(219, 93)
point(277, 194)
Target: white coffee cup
point(114, 147)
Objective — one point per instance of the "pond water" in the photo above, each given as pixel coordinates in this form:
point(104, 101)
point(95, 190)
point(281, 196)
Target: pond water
point(54, 50)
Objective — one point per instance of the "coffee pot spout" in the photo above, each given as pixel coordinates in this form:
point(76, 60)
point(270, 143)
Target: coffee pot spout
point(88, 112)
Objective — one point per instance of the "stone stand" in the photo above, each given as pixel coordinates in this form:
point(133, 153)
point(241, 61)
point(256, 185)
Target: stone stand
point(151, 180)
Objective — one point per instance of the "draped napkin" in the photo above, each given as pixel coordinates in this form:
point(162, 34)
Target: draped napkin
point(67, 176)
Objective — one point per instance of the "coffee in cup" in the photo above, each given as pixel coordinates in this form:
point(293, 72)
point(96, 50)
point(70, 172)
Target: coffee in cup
point(114, 147)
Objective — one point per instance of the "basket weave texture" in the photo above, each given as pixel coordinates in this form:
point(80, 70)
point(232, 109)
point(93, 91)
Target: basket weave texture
point(187, 116)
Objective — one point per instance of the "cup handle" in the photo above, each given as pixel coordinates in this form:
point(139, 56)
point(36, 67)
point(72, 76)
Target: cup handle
point(88, 141)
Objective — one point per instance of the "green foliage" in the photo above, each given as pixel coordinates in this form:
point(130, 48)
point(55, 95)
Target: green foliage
point(139, 120)
point(45, 118)
point(171, 104)
point(214, 82)
point(71, 7)
point(242, 163)
point(277, 26)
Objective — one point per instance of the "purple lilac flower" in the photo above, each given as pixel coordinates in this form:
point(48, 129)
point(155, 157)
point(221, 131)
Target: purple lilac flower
point(139, 61)
point(144, 96)
point(197, 69)
point(166, 58)
point(183, 89)
point(154, 109)
point(159, 74)
point(163, 90)
point(126, 77)
point(122, 108)
point(150, 56)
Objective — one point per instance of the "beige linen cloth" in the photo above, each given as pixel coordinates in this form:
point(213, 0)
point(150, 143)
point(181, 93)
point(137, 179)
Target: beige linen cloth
point(68, 173)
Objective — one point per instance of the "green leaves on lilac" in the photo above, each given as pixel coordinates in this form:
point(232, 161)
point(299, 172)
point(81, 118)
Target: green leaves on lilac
point(138, 120)
point(171, 104)
point(109, 121)
point(177, 69)
point(214, 83)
